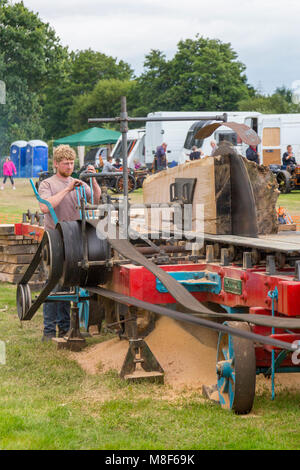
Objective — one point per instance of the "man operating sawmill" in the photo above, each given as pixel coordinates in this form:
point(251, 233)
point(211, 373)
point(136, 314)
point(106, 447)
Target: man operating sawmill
point(59, 191)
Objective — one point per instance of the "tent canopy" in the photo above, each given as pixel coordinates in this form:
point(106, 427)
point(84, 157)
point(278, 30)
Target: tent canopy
point(92, 136)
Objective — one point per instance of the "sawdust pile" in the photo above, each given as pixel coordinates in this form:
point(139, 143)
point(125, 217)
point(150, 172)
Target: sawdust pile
point(187, 362)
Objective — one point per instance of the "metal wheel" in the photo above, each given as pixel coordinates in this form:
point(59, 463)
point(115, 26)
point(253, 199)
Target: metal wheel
point(236, 370)
point(284, 182)
point(119, 185)
point(23, 299)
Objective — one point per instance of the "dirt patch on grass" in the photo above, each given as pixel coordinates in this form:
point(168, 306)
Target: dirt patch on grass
point(187, 363)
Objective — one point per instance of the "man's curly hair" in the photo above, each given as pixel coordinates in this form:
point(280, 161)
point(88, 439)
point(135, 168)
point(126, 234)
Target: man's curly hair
point(63, 151)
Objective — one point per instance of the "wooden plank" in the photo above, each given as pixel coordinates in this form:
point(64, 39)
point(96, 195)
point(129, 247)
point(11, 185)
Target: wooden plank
point(287, 227)
point(11, 237)
point(15, 278)
point(7, 229)
point(11, 268)
point(5, 242)
point(17, 259)
point(18, 249)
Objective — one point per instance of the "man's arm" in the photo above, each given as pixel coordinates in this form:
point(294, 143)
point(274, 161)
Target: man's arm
point(56, 199)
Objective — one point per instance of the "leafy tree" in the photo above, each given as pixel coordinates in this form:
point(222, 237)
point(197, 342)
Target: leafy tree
point(279, 102)
point(88, 67)
point(203, 75)
point(81, 71)
point(30, 59)
point(102, 101)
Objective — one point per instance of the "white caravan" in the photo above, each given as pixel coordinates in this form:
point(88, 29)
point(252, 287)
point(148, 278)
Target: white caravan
point(276, 132)
point(173, 133)
point(180, 135)
point(135, 147)
point(221, 133)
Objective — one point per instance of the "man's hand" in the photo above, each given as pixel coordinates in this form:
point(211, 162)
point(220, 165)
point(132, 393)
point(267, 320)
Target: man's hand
point(74, 183)
point(91, 169)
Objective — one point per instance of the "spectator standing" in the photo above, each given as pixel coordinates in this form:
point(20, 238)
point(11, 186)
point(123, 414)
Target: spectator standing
point(9, 170)
point(252, 155)
point(161, 157)
point(213, 146)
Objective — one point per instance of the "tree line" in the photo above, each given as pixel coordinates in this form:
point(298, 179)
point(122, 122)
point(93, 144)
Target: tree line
point(52, 91)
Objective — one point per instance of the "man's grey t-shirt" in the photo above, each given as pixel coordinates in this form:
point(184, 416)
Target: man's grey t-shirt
point(108, 168)
point(67, 209)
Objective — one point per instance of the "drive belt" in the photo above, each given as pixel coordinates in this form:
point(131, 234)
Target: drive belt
point(187, 300)
point(53, 244)
point(186, 317)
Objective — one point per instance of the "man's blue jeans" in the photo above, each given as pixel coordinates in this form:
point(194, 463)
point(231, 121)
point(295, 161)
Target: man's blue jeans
point(56, 313)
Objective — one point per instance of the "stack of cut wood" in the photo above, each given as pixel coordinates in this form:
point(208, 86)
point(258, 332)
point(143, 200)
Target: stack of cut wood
point(16, 253)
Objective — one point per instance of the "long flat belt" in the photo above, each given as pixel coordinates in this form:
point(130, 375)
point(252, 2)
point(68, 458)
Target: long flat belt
point(26, 309)
point(187, 300)
point(186, 317)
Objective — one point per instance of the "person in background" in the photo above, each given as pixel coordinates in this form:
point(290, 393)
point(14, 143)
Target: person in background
point(195, 154)
point(108, 167)
point(213, 146)
point(137, 165)
point(59, 191)
point(117, 164)
point(252, 155)
point(288, 157)
point(9, 170)
point(161, 157)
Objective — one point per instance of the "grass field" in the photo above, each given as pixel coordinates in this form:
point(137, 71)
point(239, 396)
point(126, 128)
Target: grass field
point(48, 402)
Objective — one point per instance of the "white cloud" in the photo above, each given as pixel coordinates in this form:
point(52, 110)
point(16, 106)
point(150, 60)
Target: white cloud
point(264, 33)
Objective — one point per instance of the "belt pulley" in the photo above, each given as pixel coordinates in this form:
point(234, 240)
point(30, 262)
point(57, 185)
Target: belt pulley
point(61, 252)
point(50, 252)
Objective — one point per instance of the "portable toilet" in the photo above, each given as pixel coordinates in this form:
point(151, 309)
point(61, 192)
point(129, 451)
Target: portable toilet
point(18, 156)
point(36, 158)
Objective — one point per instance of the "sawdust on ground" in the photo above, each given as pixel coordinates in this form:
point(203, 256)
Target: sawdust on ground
point(187, 362)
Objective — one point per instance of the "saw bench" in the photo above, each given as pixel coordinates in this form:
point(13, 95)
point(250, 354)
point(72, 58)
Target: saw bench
point(245, 287)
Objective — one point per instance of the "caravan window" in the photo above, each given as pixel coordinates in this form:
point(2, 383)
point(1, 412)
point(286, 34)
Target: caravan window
point(229, 136)
point(190, 140)
point(118, 151)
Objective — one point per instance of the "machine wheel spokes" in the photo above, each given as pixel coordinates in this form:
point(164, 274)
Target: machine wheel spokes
point(236, 371)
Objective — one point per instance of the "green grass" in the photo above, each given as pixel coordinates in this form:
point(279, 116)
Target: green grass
point(290, 201)
point(48, 402)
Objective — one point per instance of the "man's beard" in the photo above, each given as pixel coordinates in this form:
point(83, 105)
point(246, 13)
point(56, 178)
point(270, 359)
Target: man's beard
point(65, 173)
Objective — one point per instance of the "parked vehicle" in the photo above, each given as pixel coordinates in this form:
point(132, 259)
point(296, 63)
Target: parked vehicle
point(93, 156)
point(135, 147)
point(276, 132)
point(288, 177)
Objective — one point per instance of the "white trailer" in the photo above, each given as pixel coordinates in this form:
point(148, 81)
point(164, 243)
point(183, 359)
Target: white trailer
point(276, 132)
point(180, 135)
point(222, 133)
point(135, 147)
point(173, 133)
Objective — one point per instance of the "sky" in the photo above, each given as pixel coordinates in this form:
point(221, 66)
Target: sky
point(264, 33)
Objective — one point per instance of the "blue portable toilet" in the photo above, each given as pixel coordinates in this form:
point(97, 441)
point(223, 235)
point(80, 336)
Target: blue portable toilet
point(18, 156)
point(36, 158)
